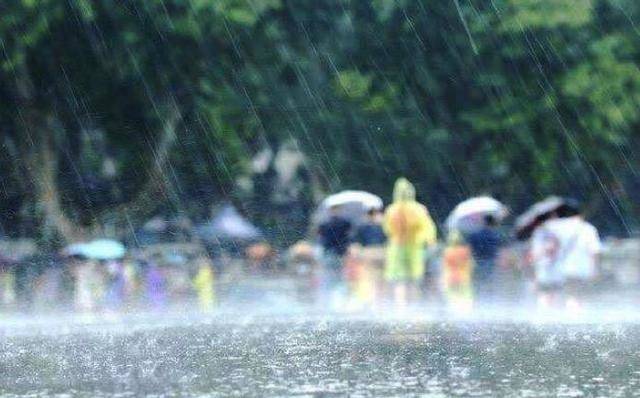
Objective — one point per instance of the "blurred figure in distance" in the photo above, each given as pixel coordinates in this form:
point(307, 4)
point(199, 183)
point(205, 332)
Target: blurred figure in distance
point(203, 284)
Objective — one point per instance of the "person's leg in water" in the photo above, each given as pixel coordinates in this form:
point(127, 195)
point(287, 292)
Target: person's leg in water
point(400, 294)
point(575, 290)
point(354, 275)
point(325, 279)
point(415, 260)
point(331, 279)
point(397, 274)
point(375, 258)
point(483, 283)
point(549, 296)
point(367, 282)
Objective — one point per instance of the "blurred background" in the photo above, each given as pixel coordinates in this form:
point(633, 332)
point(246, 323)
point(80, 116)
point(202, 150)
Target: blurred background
point(114, 115)
point(222, 124)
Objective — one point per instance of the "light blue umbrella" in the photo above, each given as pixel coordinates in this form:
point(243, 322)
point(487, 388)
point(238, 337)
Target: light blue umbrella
point(100, 249)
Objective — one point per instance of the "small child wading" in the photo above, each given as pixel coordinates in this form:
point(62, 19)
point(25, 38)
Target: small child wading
point(457, 274)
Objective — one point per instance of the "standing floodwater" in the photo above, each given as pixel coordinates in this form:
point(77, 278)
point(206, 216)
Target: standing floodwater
point(333, 356)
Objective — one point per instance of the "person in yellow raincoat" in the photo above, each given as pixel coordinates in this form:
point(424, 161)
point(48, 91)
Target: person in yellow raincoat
point(409, 229)
point(203, 284)
point(457, 273)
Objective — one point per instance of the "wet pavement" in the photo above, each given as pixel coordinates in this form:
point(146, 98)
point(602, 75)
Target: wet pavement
point(318, 356)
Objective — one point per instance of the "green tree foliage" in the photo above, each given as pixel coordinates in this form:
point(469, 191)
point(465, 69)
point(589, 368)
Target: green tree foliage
point(159, 106)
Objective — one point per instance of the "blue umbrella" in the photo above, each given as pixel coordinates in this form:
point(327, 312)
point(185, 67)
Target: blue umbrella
point(100, 249)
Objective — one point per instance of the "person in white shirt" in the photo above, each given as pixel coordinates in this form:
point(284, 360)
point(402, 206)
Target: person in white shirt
point(581, 244)
point(549, 277)
point(565, 251)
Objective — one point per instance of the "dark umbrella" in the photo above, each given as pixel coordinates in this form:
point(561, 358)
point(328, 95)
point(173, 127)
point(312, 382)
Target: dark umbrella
point(540, 212)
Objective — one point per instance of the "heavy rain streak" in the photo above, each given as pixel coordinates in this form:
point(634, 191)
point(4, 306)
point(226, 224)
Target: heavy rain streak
point(319, 198)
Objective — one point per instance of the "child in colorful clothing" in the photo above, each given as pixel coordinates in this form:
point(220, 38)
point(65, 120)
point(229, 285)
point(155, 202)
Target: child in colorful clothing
point(457, 273)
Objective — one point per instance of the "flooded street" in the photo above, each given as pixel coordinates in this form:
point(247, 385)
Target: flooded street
point(276, 198)
point(319, 356)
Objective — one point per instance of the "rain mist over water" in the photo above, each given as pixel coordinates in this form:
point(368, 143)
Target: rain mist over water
point(325, 356)
point(283, 346)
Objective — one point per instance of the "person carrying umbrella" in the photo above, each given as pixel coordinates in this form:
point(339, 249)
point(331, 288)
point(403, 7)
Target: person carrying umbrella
point(477, 219)
point(409, 228)
point(565, 251)
point(334, 235)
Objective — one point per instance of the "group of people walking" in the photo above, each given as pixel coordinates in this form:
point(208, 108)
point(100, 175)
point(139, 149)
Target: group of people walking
point(89, 285)
point(385, 256)
point(387, 248)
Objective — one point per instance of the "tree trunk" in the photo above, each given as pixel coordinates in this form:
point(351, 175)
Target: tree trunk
point(155, 189)
point(36, 145)
point(36, 142)
point(43, 167)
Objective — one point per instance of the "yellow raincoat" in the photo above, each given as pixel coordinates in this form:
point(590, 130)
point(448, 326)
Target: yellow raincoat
point(409, 228)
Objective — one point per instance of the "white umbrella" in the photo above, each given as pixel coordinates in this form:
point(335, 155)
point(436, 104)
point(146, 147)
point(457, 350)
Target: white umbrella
point(467, 214)
point(228, 224)
point(343, 198)
point(354, 204)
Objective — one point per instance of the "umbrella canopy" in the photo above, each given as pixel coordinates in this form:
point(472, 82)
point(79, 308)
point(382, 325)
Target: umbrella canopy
point(528, 221)
point(228, 224)
point(353, 205)
point(470, 213)
point(159, 230)
point(156, 224)
point(74, 249)
point(101, 249)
